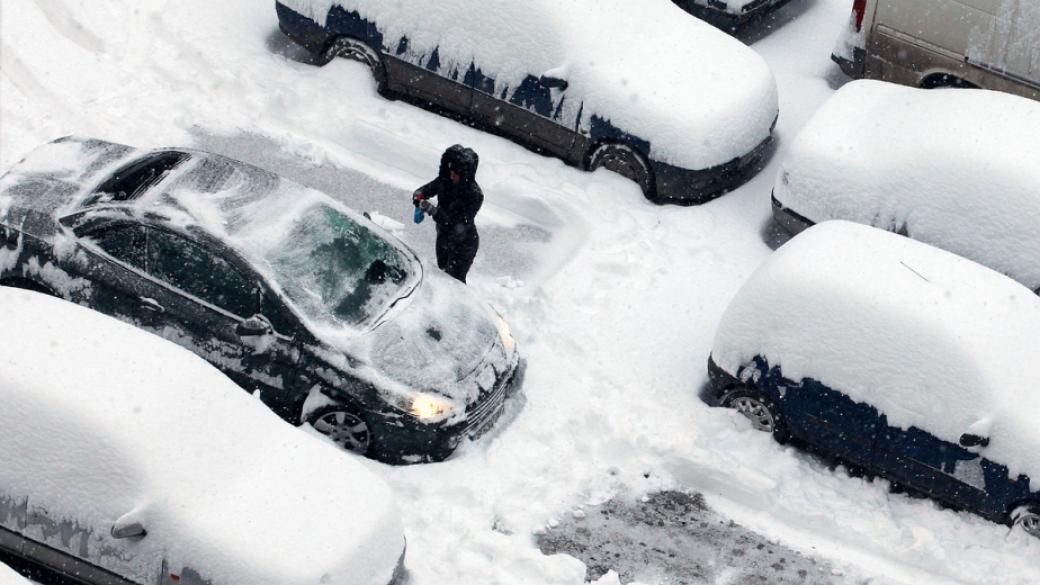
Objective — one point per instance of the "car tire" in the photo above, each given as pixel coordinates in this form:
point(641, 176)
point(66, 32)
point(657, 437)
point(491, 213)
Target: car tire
point(1027, 518)
point(344, 426)
point(355, 50)
point(26, 284)
point(627, 162)
point(758, 409)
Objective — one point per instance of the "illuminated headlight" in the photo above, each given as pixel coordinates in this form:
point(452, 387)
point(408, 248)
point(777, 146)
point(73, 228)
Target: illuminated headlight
point(504, 334)
point(429, 407)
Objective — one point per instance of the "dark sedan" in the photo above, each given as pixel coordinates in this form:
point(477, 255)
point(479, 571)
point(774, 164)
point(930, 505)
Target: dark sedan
point(314, 309)
point(682, 109)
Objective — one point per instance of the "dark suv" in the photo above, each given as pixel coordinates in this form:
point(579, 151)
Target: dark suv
point(314, 309)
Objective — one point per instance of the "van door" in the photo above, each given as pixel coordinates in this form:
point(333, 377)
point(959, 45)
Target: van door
point(425, 78)
point(533, 113)
point(832, 421)
point(1015, 40)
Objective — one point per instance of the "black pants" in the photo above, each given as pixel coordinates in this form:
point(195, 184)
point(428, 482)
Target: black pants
point(454, 254)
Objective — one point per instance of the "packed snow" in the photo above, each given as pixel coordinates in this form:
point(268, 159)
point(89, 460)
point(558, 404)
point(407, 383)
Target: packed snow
point(131, 428)
point(931, 339)
point(955, 169)
point(9, 577)
point(614, 301)
point(700, 97)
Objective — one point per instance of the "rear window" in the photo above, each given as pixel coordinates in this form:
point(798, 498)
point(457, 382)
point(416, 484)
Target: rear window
point(137, 177)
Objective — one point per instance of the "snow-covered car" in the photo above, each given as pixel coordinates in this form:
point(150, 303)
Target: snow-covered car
point(638, 88)
point(955, 169)
point(331, 320)
point(989, 44)
point(729, 14)
point(125, 459)
point(899, 358)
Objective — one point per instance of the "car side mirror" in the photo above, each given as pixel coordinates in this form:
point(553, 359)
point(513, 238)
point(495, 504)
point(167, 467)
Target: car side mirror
point(554, 82)
point(973, 440)
point(255, 326)
point(128, 530)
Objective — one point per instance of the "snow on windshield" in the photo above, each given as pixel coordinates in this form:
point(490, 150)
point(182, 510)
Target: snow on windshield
point(337, 271)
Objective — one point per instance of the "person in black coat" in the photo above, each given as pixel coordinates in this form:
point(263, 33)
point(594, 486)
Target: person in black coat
point(460, 198)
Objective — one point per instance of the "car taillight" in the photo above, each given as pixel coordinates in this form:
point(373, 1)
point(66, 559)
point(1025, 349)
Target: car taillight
point(859, 10)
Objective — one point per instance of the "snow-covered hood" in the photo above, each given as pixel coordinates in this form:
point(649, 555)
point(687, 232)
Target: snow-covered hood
point(133, 427)
point(700, 97)
point(438, 340)
point(955, 169)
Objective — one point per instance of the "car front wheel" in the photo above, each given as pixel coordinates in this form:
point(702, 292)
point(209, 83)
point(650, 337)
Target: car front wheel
point(1028, 519)
point(758, 409)
point(343, 426)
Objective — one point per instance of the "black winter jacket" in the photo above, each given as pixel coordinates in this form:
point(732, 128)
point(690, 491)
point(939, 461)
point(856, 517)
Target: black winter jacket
point(457, 204)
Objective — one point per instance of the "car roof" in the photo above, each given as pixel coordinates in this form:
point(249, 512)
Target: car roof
point(131, 424)
point(955, 169)
point(933, 340)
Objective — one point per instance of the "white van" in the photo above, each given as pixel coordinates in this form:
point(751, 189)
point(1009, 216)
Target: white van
point(991, 44)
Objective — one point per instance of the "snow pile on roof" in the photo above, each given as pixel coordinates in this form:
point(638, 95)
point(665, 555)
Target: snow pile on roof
point(699, 96)
point(9, 577)
point(931, 339)
point(955, 169)
point(101, 420)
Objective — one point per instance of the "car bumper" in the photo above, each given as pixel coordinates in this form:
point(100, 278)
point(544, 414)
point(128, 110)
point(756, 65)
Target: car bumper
point(855, 67)
point(718, 14)
point(693, 187)
point(719, 383)
point(789, 220)
point(301, 29)
point(406, 440)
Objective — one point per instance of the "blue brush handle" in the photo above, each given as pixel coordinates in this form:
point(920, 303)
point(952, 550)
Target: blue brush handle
point(418, 217)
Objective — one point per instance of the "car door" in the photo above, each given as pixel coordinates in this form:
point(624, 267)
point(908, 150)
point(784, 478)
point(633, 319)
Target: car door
point(831, 421)
point(537, 112)
point(425, 78)
point(203, 297)
point(114, 266)
point(946, 471)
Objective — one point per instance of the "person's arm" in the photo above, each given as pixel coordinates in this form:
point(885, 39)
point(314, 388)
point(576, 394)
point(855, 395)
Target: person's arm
point(428, 191)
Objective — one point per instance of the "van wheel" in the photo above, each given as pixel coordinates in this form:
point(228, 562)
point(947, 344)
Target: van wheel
point(343, 425)
point(945, 80)
point(1027, 518)
point(758, 409)
point(356, 50)
point(627, 162)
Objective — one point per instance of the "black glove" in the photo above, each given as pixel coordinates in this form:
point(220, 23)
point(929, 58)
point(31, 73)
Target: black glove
point(429, 208)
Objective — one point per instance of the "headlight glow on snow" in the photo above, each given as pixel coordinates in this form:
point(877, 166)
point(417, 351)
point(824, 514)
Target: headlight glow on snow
point(504, 334)
point(428, 407)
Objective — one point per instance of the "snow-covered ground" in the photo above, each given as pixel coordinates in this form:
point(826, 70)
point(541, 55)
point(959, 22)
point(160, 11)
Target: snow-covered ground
point(614, 301)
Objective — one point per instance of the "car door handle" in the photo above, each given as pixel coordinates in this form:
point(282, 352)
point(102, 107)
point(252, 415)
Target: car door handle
point(151, 304)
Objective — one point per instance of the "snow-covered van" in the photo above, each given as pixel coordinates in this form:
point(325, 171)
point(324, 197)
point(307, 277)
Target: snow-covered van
point(954, 169)
point(127, 460)
point(902, 359)
point(990, 44)
point(638, 88)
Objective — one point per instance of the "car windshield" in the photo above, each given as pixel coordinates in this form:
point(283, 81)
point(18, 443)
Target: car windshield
point(137, 177)
point(337, 271)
